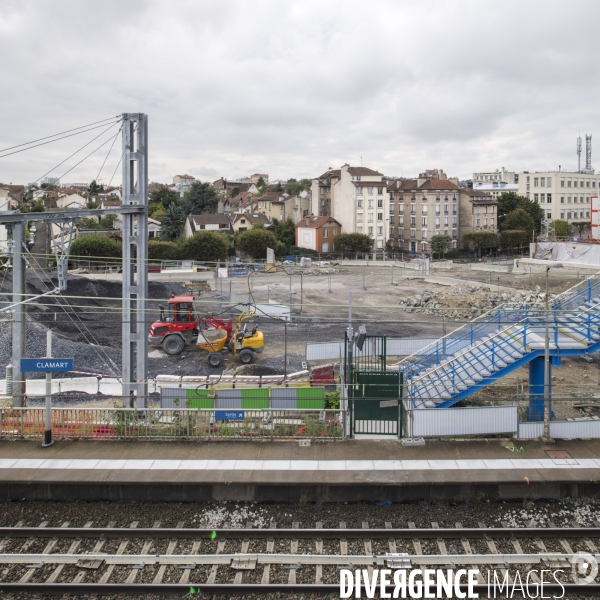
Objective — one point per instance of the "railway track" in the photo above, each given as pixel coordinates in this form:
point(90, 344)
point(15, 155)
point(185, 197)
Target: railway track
point(234, 561)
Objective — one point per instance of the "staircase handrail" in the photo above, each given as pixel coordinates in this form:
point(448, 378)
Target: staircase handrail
point(452, 336)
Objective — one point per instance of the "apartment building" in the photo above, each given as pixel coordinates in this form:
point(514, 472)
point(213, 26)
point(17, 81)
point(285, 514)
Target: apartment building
point(357, 198)
point(563, 195)
point(496, 188)
point(499, 175)
point(477, 211)
point(418, 210)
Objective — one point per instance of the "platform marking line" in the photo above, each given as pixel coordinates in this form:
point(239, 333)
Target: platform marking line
point(297, 465)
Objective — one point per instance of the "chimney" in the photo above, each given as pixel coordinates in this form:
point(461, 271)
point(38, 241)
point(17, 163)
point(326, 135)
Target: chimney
point(307, 221)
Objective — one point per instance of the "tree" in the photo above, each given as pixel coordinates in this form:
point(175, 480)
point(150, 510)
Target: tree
point(512, 238)
point(562, 228)
point(235, 191)
point(261, 182)
point(92, 204)
point(353, 242)
point(173, 221)
point(205, 246)
point(476, 240)
point(200, 198)
point(163, 196)
point(286, 232)
point(256, 241)
point(158, 250)
point(37, 206)
point(440, 243)
point(278, 187)
point(88, 223)
point(581, 227)
point(511, 201)
point(157, 213)
point(108, 222)
point(518, 219)
point(94, 188)
point(96, 245)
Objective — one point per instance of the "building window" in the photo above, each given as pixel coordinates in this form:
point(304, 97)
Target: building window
point(542, 198)
point(413, 209)
point(424, 221)
point(359, 203)
point(477, 222)
point(325, 233)
point(370, 217)
point(380, 203)
point(568, 199)
point(370, 230)
point(587, 214)
point(593, 183)
point(369, 190)
point(380, 216)
point(437, 222)
point(359, 218)
point(535, 181)
point(569, 214)
point(569, 182)
point(562, 199)
point(400, 232)
point(548, 181)
point(437, 209)
point(446, 221)
point(400, 220)
point(335, 231)
point(391, 208)
point(581, 183)
point(548, 215)
point(359, 189)
point(325, 247)
point(413, 220)
point(548, 198)
point(424, 234)
point(413, 233)
point(562, 214)
point(574, 182)
point(380, 230)
point(358, 178)
point(380, 190)
point(401, 208)
point(536, 198)
point(391, 220)
point(424, 209)
point(359, 229)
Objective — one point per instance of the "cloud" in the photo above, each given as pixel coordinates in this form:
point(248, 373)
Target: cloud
point(290, 88)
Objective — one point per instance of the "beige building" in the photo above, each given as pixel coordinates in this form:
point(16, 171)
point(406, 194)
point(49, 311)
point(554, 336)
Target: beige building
point(183, 179)
point(498, 176)
point(418, 210)
point(243, 222)
point(477, 211)
point(357, 198)
point(563, 195)
point(496, 188)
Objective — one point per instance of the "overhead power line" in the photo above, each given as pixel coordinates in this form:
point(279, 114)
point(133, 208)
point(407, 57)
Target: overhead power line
point(56, 140)
point(57, 134)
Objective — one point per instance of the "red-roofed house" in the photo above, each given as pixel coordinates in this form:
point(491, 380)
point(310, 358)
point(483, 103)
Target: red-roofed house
point(317, 233)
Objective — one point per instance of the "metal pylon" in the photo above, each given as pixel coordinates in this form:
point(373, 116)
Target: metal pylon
point(135, 253)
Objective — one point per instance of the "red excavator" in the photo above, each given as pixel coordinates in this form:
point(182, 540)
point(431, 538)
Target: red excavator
point(179, 324)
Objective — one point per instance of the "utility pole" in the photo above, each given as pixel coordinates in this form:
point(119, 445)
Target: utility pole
point(135, 255)
point(48, 425)
point(18, 324)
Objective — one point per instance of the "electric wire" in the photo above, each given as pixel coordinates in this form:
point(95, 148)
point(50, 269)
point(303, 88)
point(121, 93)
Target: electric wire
point(108, 153)
point(122, 155)
point(57, 134)
point(77, 151)
point(90, 154)
point(56, 140)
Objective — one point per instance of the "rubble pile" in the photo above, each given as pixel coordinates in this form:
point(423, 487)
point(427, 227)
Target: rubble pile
point(461, 302)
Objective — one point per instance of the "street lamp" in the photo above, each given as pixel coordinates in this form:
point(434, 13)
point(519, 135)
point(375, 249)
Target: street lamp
point(547, 407)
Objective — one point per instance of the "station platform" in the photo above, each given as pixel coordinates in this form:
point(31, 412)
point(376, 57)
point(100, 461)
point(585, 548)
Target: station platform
point(280, 471)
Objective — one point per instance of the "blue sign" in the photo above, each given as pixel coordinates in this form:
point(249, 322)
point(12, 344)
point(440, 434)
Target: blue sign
point(229, 415)
point(46, 365)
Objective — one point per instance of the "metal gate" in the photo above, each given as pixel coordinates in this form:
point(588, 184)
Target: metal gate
point(374, 402)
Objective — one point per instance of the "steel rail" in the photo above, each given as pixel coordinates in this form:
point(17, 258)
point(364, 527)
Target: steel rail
point(212, 534)
point(193, 560)
point(229, 589)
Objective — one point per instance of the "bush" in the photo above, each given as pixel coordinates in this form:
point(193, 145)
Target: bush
point(158, 250)
point(256, 241)
point(96, 245)
point(353, 242)
point(205, 246)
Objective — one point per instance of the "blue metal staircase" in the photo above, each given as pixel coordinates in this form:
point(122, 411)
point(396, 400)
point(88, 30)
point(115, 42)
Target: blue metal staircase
point(500, 341)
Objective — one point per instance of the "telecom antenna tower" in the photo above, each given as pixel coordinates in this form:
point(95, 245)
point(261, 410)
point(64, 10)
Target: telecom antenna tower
point(579, 154)
point(588, 154)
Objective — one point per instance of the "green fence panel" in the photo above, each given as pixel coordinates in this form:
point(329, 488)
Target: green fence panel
point(199, 399)
point(257, 399)
point(311, 397)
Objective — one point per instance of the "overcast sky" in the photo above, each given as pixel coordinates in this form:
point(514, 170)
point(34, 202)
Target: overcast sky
point(290, 88)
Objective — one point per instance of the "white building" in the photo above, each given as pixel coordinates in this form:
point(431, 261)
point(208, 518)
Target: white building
point(496, 188)
point(357, 198)
point(563, 195)
point(498, 176)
